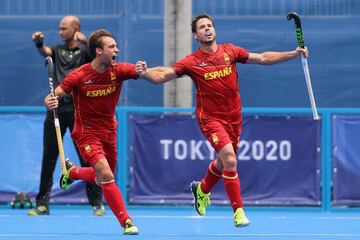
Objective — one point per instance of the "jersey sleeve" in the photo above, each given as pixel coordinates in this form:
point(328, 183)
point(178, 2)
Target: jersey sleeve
point(126, 71)
point(180, 67)
point(241, 54)
point(53, 50)
point(70, 81)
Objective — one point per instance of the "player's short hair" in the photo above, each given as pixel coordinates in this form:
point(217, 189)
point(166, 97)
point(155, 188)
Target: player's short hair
point(197, 18)
point(95, 40)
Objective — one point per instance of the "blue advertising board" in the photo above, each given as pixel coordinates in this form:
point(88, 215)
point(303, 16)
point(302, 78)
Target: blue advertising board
point(278, 160)
point(21, 159)
point(345, 157)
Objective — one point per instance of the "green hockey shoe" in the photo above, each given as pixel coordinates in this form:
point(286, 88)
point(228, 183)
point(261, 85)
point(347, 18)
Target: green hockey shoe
point(99, 210)
point(240, 220)
point(202, 200)
point(130, 228)
point(39, 211)
point(65, 180)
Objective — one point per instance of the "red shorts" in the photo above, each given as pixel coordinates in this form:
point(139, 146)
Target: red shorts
point(94, 146)
point(219, 133)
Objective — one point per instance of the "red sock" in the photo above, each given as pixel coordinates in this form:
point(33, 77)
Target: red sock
point(115, 201)
point(84, 173)
point(232, 187)
point(212, 176)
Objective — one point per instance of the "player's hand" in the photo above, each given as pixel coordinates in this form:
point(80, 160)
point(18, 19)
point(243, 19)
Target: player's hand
point(51, 102)
point(141, 68)
point(79, 36)
point(304, 51)
point(38, 37)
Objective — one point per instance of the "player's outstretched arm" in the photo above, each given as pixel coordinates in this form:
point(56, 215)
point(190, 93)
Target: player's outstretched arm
point(156, 75)
point(269, 58)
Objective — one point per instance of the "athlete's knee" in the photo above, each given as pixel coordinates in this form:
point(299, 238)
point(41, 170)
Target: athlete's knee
point(104, 175)
point(230, 165)
point(230, 162)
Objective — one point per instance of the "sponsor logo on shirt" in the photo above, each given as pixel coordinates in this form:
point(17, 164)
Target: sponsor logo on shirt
point(203, 64)
point(218, 74)
point(88, 82)
point(101, 92)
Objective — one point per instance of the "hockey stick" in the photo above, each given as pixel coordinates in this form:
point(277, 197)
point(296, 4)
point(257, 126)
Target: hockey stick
point(50, 67)
point(300, 41)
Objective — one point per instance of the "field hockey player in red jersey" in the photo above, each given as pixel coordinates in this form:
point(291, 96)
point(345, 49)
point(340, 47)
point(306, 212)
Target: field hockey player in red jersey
point(214, 73)
point(96, 88)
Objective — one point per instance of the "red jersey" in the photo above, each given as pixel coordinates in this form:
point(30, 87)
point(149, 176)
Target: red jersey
point(96, 94)
point(216, 81)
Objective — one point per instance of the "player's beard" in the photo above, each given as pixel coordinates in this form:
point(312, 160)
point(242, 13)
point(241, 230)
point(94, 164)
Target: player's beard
point(208, 42)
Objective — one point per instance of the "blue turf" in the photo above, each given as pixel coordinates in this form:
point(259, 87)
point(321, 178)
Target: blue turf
point(77, 222)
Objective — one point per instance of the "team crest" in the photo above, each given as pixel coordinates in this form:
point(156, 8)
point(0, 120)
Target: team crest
point(112, 76)
point(215, 138)
point(227, 59)
point(87, 148)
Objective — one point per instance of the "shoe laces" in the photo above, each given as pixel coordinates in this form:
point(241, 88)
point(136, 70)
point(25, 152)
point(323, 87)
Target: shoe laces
point(204, 199)
point(128, 224)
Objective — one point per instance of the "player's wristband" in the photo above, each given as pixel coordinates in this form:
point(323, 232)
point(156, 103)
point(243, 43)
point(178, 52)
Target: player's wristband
point(84, 42)
point(39, 44)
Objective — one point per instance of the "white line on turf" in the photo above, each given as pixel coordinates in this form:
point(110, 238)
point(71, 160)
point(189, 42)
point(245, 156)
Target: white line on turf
point(267, 234)
point(194, 217)
point(30, 235)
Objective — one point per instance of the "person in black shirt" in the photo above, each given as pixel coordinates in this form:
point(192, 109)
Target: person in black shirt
point(66, 57)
